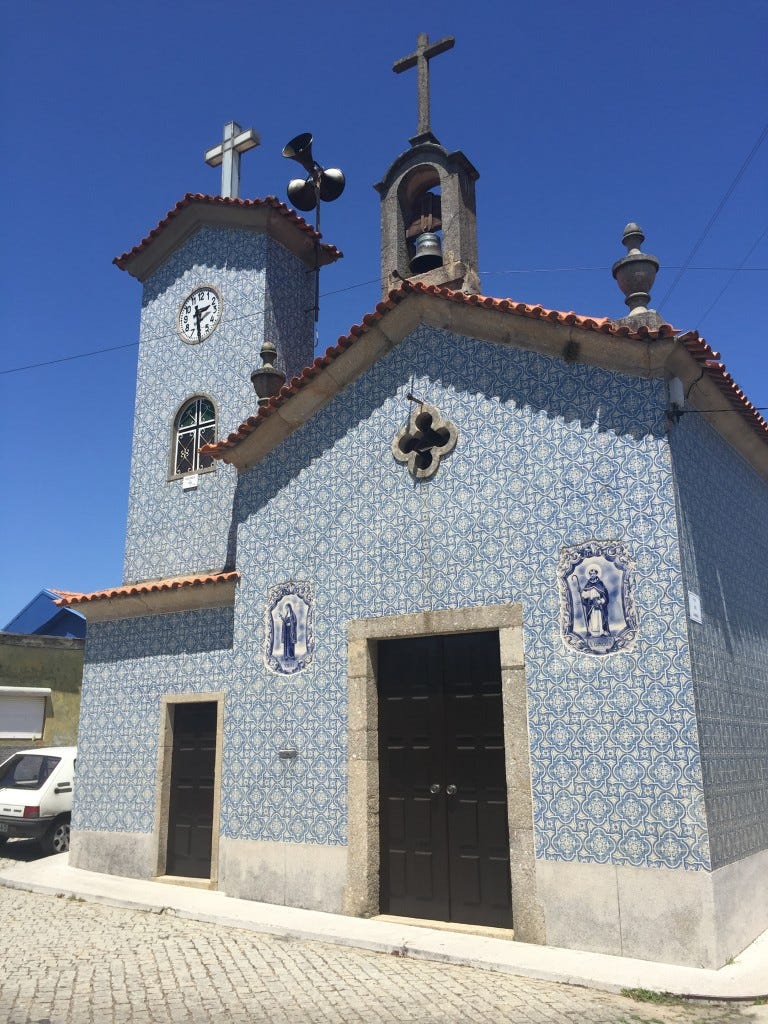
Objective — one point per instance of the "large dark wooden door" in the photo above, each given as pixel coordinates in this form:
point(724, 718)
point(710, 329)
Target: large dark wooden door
point(193, 768)
point(443, 795)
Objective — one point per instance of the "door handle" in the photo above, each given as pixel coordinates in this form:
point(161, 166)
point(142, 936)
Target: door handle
point(450, 790)
point(434, 788)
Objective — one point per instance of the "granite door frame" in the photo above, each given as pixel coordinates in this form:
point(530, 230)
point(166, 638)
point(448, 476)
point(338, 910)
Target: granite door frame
point(361, 896)
point(163, 785)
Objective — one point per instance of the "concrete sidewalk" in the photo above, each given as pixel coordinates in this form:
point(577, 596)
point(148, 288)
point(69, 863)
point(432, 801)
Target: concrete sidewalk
point(746, 978)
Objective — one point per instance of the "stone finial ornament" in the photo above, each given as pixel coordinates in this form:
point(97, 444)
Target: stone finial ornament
point(267, 380)
point(425, 440)
point(635, 272)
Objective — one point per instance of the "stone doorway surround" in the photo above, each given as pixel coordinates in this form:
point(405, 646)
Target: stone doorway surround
point(163, 784)
point(361, 896)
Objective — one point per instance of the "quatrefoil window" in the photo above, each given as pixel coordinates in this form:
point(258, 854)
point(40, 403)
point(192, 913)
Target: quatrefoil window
point(424, 441)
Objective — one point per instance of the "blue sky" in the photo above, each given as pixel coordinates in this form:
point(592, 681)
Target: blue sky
point(579, 117)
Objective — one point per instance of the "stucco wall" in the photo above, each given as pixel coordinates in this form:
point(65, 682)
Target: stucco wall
point(549, 455)
point(55, 662)
point(723, 515)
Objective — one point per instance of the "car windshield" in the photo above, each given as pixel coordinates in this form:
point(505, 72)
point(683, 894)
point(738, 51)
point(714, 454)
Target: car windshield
point(27, 771)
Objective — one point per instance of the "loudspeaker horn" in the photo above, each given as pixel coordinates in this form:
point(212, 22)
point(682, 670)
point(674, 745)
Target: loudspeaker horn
point(300, 150)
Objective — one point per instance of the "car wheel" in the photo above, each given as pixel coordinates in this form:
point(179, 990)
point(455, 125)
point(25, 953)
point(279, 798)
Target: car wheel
point(56, 839)
point(3, 841)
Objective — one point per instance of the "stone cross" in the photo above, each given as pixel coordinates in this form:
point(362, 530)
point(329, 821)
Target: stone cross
point(420, 60)
point(227, 153)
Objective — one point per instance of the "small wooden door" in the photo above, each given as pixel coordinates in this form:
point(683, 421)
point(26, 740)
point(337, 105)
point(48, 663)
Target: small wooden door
point(443, 795)
point(193, 770)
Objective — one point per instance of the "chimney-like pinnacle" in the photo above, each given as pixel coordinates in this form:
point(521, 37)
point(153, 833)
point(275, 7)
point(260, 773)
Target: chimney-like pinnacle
point(635, 274)
point(267, 380)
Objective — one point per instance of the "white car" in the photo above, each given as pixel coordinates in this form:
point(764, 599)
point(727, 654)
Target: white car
point(36, 796)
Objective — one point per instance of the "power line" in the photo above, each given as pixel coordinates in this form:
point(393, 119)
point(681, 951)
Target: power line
point(362, 284)
point(727, 284)
point(718, 210)
point(67, 359)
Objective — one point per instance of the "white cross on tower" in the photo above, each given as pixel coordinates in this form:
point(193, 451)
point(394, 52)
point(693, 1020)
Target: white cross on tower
point(227, 153)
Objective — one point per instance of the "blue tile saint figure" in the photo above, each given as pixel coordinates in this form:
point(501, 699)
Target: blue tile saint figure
point(594, 599)
point(597, 605)
point(289, 634)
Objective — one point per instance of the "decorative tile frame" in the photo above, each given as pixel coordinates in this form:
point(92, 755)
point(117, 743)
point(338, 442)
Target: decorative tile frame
point(613, 556)
point(301, 591)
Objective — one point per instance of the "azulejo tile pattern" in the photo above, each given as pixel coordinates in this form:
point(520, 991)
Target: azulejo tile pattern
point(724, 541)
point(549, 455)
point(130, 664)
point(171, 531)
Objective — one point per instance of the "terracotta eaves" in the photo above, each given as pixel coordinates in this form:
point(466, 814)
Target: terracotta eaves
point(643, 351)
point(269, 215)
point(154, 597)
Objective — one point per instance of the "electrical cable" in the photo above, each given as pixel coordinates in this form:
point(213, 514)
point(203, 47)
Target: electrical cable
point(718, 210)
point(727, 284)
point(362, 284)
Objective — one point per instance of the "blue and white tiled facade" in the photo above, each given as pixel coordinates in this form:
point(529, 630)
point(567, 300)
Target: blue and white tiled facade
point(549, 455)
point(266, 292)
point(724, 543)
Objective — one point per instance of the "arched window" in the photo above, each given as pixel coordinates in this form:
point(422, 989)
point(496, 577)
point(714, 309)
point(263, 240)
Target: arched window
point(195, 426)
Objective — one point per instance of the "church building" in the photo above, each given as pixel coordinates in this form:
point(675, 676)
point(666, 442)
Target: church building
point(464, 620)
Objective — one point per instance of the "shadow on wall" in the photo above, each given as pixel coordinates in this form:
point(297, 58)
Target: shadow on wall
point(467, 372)
point(191, 632)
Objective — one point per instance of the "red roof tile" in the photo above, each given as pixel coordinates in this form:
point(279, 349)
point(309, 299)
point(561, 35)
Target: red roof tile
point(710, 364)
point(197, 197)
point(69, 597)
point(602, 325)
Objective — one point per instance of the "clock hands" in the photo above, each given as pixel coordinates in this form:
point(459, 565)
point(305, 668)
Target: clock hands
point(199, 312)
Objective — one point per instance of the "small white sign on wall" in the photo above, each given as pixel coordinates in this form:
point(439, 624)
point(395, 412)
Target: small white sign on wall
point(189, 482)
point(694, 607)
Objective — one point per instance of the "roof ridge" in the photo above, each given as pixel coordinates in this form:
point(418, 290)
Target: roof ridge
point(190, 198)
point(601, 325)
point(146, 587)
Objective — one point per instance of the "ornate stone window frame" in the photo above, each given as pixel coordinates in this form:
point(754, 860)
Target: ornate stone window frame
point(361, 896)
point(427, 435)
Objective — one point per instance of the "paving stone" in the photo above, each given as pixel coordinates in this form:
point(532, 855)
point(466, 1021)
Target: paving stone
point(71, 962)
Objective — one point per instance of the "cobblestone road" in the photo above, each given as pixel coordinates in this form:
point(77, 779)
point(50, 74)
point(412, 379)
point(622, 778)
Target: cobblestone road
point(63, 961)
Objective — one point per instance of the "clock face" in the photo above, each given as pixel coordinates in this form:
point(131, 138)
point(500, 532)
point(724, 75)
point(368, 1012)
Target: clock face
point(200, 314)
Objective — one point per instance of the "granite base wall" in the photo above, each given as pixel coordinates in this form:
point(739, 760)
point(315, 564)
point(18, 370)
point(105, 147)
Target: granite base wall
point(287, 874)
point(693, 918)
point(130, 854)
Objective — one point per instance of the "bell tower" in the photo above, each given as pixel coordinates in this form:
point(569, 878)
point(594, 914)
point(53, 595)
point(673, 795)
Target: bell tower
point(428, 218)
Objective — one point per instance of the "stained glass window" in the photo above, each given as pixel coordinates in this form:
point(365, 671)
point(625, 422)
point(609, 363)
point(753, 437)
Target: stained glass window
point(195, 427)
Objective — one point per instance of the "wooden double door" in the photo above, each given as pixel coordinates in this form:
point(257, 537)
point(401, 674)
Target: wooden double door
point(193, 773)
point(443, 794)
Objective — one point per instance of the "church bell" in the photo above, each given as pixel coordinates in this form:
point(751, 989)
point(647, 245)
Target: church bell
point(427, 254)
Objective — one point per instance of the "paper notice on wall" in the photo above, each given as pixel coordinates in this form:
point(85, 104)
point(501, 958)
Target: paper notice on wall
point(694, 607)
